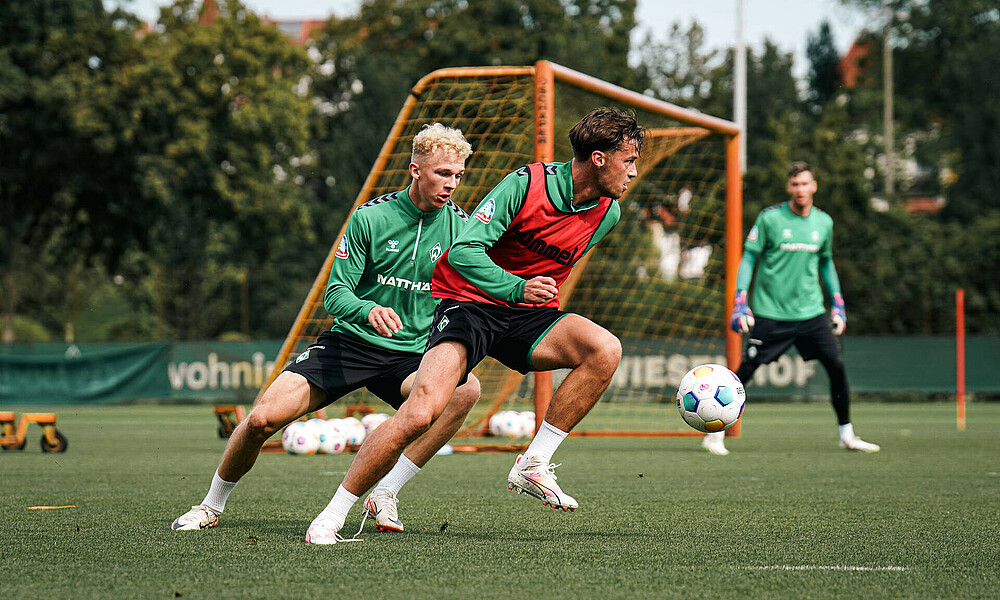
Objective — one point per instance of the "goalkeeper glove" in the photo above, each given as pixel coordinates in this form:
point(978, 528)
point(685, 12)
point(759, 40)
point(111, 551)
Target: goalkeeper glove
point(741, 321)
point(838, 315)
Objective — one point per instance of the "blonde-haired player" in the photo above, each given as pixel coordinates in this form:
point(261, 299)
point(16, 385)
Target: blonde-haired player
point(436, 136)
point(380, 294)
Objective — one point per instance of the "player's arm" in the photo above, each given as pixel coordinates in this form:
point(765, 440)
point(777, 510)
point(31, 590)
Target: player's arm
point(348, 266)
point(828, 275)
point(468, 254)
point(838, 314)
point(741, 320)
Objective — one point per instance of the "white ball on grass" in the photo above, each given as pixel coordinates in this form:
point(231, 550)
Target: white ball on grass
point(372, 421)
point(331, 439)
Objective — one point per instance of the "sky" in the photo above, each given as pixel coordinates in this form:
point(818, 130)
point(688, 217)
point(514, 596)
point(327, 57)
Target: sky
point(786, 22)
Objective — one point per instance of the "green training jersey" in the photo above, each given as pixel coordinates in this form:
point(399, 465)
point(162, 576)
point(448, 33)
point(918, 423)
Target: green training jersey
point(786, 286)
point(386, 258)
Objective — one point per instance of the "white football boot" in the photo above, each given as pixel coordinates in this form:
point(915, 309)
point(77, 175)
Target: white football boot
point(855, 443)
point(535, 478)
point(199, 517)
point(325, 532)
point(381, 506)
point(715, 443)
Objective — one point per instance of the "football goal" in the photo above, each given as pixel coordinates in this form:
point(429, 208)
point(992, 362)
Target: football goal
point(662, 281)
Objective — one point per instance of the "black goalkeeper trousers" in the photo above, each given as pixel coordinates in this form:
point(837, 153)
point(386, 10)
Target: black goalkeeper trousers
point(813, 338)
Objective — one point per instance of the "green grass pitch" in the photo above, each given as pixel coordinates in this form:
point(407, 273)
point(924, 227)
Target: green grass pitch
point(786, 515)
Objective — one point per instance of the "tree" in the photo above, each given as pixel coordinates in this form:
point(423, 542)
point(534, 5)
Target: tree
point(952, 45)
point(64, 189)
point(219, 136)
point(946, 85)
point(680, 69)
point(824, 68)
point(367, 64)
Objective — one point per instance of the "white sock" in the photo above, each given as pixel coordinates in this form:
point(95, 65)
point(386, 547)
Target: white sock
point(846, 431)
point(338, 508)
point(401, 472)
point(719, 437)
point(544, 445)
point(218, 493)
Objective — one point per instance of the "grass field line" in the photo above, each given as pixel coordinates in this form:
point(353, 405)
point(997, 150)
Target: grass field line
point(819, 568)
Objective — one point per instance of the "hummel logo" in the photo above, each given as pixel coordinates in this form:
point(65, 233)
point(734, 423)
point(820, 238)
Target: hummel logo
point(392, 246)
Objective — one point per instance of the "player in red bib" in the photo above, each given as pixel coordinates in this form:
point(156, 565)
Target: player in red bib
point(499, 291)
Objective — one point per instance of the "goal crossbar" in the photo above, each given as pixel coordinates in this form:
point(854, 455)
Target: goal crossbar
point(546, 75)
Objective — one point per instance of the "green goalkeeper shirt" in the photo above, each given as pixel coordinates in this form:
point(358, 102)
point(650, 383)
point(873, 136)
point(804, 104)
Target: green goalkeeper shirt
point(386, 258)
point(792, 250)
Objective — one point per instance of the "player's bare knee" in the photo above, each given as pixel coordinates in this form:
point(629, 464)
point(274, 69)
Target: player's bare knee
point(467, 394)
point(605, 355)
point(415, 422)
point(259, 425)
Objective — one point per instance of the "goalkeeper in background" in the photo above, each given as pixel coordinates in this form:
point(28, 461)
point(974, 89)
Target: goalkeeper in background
point(794, 242)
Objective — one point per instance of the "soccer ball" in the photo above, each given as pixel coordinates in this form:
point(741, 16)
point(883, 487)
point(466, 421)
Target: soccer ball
point(331, 438)
point(506, 423)
point(527, 418)
point(300, 438)
point(291, 430)
point(373, 420)
point(710, 398)
point(354, 431)
point(495, 419)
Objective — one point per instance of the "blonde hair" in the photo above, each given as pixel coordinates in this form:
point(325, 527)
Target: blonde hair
point(438, 137)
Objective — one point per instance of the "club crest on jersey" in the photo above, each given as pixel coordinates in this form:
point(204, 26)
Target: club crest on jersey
point(342, 248)
point(392, 246)
point(444, 323)
point(815, 236)
point(435, 252)
point(786, 233)
point(303, 356)
point(485, 212)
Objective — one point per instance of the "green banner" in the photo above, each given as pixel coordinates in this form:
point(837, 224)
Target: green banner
point(874, 364)
point(112, 373)
point(232, 372)
point(222, 372)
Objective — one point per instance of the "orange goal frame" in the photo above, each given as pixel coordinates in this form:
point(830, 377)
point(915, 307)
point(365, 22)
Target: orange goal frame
point(546, 74)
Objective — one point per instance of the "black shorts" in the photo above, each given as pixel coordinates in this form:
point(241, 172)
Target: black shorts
point(769, 339)
point(339, 364)
point(508, 334)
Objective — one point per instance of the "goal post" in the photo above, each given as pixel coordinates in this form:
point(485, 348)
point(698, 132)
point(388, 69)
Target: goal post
point(663, 280)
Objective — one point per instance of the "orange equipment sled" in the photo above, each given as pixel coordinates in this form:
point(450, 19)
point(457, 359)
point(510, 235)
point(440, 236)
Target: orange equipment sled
point(15, 437)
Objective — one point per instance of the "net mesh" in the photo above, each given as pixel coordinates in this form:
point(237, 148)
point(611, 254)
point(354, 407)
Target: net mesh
point(656, 281)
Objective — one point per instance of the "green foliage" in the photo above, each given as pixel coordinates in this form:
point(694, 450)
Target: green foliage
point(367, 64)
point(945, 90)
point(64, 189)
point(220, 136)
point(27, 329)
point(824, 68)
point(680, 69)
point(206, 164)
point(949, 60)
